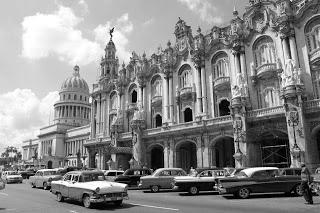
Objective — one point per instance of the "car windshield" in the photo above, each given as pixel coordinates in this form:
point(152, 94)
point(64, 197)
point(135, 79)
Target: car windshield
point(12, 173)
point(241, 174)
point(45, 173)
point(93, 177)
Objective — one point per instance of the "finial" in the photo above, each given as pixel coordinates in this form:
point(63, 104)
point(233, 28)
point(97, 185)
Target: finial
point(168, 43)
point(144, 55)
point(110, 32)
point(235, 12)
point(199, 30)
point(76, 70)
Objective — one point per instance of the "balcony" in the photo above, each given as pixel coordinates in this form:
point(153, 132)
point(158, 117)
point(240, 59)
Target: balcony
point(113, 111)
point(132, 106)
point(312, 106)
point(266, 113)
point(221, 83)
point(315, 57)
point(156, 100)
point(266, 71)
point(186, 93)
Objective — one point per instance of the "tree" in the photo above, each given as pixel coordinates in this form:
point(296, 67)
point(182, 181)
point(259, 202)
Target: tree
point(12, 154)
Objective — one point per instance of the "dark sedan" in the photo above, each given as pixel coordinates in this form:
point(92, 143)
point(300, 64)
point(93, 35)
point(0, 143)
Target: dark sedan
point(27, 173)
point(259, 180)
point(132, 176)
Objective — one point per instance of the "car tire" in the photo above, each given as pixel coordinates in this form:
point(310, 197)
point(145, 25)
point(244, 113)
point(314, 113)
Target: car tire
point(297, 190)
point(118, 202)
point(244, 193)
point(32, 185)
point(86, 201)
point(45, 186)
point(154, 188)
point(193, 190)
point(60, 198)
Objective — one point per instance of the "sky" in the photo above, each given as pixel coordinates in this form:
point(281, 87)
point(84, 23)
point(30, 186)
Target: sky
point(42, 40)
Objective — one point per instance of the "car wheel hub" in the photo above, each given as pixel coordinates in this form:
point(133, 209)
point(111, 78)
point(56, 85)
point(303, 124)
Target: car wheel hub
point(193, 190)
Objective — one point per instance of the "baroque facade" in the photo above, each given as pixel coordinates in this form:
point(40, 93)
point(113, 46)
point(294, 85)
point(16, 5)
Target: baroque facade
point(247, 94)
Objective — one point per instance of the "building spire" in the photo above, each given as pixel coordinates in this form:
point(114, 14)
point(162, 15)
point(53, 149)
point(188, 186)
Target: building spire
point(235, 12)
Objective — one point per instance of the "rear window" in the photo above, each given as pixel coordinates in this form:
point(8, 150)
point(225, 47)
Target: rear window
point(93, 177)
point(111, 174)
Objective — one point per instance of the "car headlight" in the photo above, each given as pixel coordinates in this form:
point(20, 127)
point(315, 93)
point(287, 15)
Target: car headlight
point(126, 189)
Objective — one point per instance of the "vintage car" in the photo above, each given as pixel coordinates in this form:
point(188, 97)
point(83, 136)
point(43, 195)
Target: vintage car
point(204, 181)
point(11, 177)
point(160, 179)
point(111, 175)
point(290, 171)
point(315, 185)
point(259, 180)
point(44, 177)
point(89, 187)
point(27, 173)
point(132, 176)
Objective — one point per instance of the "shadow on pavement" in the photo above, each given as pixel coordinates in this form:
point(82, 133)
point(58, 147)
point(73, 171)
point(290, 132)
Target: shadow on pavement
point(2, 209)
point(261, 196)
point(200, 193)
point(160, 191)
point(100, 206)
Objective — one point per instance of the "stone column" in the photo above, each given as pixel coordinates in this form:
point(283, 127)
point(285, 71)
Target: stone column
point(293, 50)
point(205, 151)
point(204, 91)
point(93, 129)
point(285, 48)
point(199, 152)
point(198, 91)
point(237, 63)
point(165, 100)
point(98, 115)
point(243, 63)
point(171, 117)
point(166, 154)
point(171, 153)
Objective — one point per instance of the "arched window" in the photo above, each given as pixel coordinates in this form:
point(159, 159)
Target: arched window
point(224, 107)
point(114, 102)
point(75, 97)
point(188, 115)
point(80, 97)
point(312, 33)
point(158, 121)
point(69, 97)
point(220, 65)
point(271, 97)
point(156, 87)
point(134, 96)
point(264, 51)
point(185, 76)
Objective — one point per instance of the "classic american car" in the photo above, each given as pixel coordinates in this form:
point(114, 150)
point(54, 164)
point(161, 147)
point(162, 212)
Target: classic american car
point(11, 177)
point(132, 176)
point(315, 185)
point(111, 175)
point(160, 179)
point(44, 177)
point(259, 180)
point(89, 187)
point(204, 181)
point(27, 173)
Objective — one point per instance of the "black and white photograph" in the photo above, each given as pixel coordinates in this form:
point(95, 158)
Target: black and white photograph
point(160, 106)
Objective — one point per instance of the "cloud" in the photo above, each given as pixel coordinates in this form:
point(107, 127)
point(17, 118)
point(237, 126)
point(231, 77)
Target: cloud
point(148, 22)
point(123, 27)
point(84, 6)
point(56, 34)
point(204, 9)
point(22, 113)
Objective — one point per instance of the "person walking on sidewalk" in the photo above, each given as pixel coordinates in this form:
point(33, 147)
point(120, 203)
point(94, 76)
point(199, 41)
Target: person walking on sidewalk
point(305, 182)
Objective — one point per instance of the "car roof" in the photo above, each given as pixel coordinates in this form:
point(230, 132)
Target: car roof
point(166, 169)
point(85, 172)
point(250, 171)
point(112, 171)
point(46, 170)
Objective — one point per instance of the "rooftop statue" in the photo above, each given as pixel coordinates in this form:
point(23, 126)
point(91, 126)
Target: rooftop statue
point(110, 32)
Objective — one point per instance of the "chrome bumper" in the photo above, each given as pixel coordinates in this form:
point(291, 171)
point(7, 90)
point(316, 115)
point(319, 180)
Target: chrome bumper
point(103, 199)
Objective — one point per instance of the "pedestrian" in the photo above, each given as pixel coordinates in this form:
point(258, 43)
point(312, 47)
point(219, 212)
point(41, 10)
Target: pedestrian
point(305, 182)
point(193, 172)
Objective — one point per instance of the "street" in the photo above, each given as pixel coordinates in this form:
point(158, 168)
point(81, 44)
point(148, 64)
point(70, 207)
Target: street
point(22, 198)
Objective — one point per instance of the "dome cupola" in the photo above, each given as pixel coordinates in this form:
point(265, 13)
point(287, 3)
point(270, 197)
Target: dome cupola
point(75, 82)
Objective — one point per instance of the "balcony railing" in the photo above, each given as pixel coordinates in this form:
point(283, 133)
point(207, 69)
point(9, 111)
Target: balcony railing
point(266, 112)
point(219, 120)
point(132, 106)
point(266, 70)
point(221, 83)
point(315, 56)
point(155, 99)
point(312, 105)
point(185, 90)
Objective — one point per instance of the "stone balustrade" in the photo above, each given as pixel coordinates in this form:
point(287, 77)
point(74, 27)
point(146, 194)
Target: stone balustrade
point(312, 105)
point(155, 99)
point(221, 83)
point(266, 70)
point(185, 90)
point(265, 112)
point(315, 56)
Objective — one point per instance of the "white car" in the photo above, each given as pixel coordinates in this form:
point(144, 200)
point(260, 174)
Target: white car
point(89, 187)
point(11, 177)
point(110, 175)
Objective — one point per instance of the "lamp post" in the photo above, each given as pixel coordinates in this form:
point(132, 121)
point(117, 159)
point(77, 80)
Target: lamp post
point(237, 128)
point(293, 121)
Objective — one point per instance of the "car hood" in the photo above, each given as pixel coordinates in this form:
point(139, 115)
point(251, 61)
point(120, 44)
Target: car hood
point(14, 176)
point(105, 186)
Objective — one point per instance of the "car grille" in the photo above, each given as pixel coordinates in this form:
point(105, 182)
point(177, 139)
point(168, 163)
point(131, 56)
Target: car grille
point(116, 194)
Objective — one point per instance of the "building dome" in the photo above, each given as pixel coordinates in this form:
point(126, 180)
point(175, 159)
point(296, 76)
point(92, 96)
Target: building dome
point(75, 82)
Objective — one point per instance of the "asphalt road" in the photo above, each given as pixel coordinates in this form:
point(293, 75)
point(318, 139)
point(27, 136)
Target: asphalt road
point(22, 198)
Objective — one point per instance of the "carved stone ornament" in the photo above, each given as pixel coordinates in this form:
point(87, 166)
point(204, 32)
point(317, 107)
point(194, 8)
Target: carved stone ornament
point(241, 87)
point(291, 75)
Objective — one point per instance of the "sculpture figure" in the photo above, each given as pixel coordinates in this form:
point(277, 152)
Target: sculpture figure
point(110, 32)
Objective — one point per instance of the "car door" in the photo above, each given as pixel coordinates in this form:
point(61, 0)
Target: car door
point(64, 188)
point(163, 178)
point(206, 180)
point(73, 191)
point(38, 179)
point(264, 182)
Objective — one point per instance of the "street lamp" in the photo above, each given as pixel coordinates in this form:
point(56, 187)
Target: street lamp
point(294, 121)
point(237, 128)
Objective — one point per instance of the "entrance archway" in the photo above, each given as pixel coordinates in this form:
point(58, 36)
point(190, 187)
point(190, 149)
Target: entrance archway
point(275, 149)
point(224, 108)
point(49, 165)
point(188, 115)
point(186, 155)
point(134, 97)
point(222, 152)
point(157, 157)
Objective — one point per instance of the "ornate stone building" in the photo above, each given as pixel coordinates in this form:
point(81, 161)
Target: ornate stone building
point(247, 94)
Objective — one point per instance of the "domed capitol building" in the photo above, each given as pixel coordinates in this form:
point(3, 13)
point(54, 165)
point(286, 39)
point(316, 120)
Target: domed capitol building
point(247, 94)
